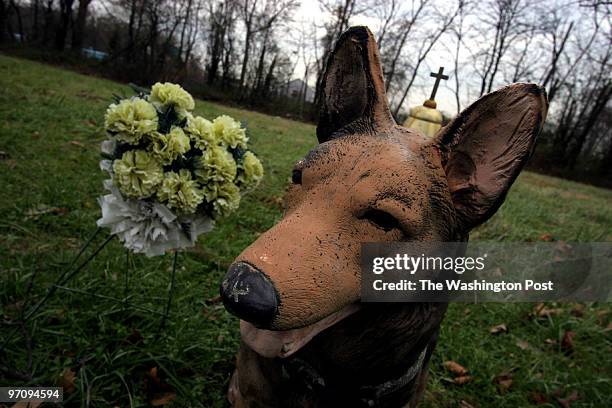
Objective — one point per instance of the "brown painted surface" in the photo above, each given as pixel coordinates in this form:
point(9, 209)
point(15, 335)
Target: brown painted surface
point(370, 180)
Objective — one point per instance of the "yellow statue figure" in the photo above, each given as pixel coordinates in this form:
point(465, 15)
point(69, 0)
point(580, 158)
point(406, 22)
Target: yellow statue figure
point(426, 118)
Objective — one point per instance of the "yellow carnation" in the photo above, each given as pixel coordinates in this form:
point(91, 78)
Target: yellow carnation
point(224, 196)
point(201, 131)
point(180, 192)
point(167, 148)
point(137, 173)
point(216, 165)
point(168, 94)
point(251, 171)
point(228, 132)
point(131, 119)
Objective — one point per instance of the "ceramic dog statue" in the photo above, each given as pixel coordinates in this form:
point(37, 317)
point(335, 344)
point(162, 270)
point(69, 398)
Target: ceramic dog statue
point(306, 339)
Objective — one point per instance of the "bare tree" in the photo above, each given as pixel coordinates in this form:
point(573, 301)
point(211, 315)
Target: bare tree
point(503, 20)
point(386, 11)
point(219, 17)
point(3, 20)
point(458, 33)
point(404, 28)
point(78, 31)
point(432, 37)
point(64, 24)
point(340, 12)
point(256, 17)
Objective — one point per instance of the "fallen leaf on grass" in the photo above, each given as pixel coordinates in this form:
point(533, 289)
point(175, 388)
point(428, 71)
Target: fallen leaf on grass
point(461, 380)
point(455, 368)
point(213, 300)
point(66, 381)
point(500, 328)
point(13, 310)
point(24, 404)
point(567, 401)
point(42, 209)
point(538, 398)
point(550, 341)
point(72, 243)
point(134, 338)
point(546, 238)
point(601, 315)
point(209, 314)
point(152, 374)
point(567, 343)
point(77, 143)
point(159, 393)
point(163, 399)
point(465, 404)
point(578, 310)
point(522, 344)
point(540, 310)
point(546, 312)
point(504, 382)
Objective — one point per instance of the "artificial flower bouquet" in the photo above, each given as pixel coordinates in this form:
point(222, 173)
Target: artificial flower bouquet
point(172, 174)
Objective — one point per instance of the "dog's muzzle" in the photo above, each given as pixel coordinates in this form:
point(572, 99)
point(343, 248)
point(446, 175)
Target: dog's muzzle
point(249, 294)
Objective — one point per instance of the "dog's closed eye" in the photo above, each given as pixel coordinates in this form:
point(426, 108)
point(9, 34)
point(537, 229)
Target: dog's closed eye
point(381, 219)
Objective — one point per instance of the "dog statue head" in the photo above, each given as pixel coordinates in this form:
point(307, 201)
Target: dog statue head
point(370, 180)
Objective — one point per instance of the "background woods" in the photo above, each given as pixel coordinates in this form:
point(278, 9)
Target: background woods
point(269, 54)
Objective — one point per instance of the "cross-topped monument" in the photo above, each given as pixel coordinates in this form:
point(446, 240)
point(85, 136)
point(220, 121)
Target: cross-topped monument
point(431, 102)
point(426, 118)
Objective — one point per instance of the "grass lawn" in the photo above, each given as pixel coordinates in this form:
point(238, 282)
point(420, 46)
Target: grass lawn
point(104, 355)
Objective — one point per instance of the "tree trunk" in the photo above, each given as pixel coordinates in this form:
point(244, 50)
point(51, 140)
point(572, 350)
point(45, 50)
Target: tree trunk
point(260, 66)
point(64, 24)
point(216, 50)
point(48, 21)
point(245, 57)
point(3, 21)
point(597, 107)
point(130, 45)
point(605, 167)
point(227, 62)
point(78, 31)
point(35, 22)
point(183, 30)
point(19, 20)
point(269, 76)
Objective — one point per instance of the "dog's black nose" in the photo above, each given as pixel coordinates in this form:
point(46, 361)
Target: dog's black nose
point(248, 294)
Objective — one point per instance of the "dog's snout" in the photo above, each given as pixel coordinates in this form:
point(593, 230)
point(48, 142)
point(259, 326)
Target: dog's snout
point(249, 294)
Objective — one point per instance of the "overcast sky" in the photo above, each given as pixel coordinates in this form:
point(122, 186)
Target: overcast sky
point(310, 11)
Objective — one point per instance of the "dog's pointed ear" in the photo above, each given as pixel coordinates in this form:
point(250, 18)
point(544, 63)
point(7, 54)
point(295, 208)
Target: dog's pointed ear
point(352, 90)
point(486, 146)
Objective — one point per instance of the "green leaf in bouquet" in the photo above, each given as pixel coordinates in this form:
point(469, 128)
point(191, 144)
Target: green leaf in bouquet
point(107, 156)
point(206, 208)
point(237, 154)
point(118, 98)
point(167, 119)
point(140, 90)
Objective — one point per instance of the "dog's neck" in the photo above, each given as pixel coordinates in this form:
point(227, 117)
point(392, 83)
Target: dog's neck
point(353, 358)
point(389, 392)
